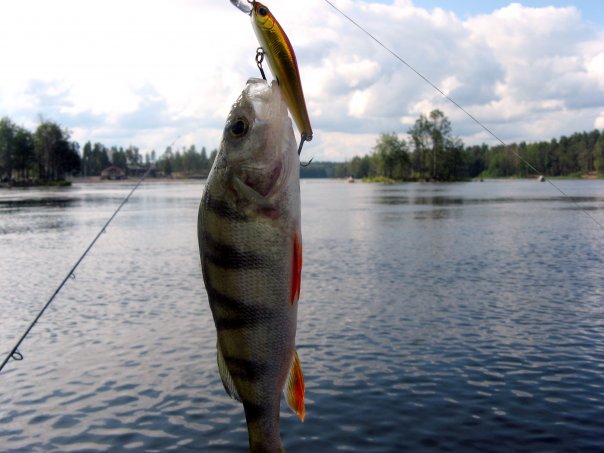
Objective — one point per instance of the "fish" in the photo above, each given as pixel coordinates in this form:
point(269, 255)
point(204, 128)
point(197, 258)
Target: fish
point(250, 244)
point(284, 66)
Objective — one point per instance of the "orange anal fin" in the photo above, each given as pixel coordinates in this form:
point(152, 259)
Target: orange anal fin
point(294, 388)
point(296, 269)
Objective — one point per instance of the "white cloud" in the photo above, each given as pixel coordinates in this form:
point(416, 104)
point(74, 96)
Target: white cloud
point(358, 103)
point(595, 68)
point(338, 145)
point(143, 72)
point(541, 51)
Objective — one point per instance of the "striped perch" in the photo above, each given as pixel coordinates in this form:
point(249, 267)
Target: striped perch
point(251, 258)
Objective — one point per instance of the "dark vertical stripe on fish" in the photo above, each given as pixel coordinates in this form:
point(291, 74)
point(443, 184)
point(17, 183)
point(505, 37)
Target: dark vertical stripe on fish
point(223, 209)
point(228, 257)
point(245, 369)
point(230, 313)
point(250, 320)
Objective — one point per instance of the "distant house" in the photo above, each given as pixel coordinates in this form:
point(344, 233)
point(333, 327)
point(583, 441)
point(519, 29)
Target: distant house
point(113, 173)
point(138, 171)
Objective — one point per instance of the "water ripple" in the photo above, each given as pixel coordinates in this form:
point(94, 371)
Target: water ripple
point(432, 318)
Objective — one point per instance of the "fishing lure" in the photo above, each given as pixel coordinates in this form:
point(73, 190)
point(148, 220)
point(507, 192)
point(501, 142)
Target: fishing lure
point(282, 61)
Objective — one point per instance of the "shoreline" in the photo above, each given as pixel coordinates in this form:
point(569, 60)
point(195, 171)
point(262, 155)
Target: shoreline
point(80, 180)
point(96, 180)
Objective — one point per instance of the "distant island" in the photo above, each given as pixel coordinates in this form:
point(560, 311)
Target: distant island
point(48, 156)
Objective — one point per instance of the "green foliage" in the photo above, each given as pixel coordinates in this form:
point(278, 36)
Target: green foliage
point(391, 157)
point(118, 157)
point(24, 156)
point(438, 156)
point(358, 167)
point(7, 148)
point(379, 179)
point(45, 155)
point(133, 156)
point(319, 170)
point(55, 154)
point(95, 158)
point(580, 154)
point(17, 156)
point(187, 161)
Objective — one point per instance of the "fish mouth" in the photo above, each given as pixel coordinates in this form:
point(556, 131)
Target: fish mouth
point(261, 182)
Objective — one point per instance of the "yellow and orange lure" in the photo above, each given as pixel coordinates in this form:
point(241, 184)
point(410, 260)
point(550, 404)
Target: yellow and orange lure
point(282, 61)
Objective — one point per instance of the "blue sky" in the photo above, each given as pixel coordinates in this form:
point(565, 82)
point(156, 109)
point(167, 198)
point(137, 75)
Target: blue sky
point(137, 72)
point(592, 10)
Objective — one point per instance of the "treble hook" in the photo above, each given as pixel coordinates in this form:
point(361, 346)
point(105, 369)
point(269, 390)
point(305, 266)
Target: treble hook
point(304, 138)
point(259, 60)
point(307, 164)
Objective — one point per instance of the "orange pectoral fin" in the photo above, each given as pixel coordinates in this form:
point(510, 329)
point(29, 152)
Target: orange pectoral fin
point(294, 389)
point(296, 269)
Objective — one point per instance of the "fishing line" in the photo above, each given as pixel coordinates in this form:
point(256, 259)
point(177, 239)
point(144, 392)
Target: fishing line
point(472, 117)
point(14, 353)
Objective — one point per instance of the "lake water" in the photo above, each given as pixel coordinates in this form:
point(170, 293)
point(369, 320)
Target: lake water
point(433, 317)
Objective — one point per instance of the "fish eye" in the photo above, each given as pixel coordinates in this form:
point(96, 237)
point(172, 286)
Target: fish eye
point(238, 127)
point(263, 11)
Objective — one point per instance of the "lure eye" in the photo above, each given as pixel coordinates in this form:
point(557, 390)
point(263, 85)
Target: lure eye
point(238, 127)
point(263, 11)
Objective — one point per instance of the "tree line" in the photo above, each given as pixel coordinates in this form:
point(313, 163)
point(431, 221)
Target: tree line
point(433, 153)
point(188, 161)
point(48, 154)
point(185, 161)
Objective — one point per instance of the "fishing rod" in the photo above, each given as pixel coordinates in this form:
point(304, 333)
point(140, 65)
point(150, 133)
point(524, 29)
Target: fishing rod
point(14, 353)
point(460, 107)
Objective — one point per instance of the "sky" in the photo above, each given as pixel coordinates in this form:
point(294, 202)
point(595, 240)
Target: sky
point(146, 73)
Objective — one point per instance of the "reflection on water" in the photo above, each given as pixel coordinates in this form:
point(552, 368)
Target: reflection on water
point(16, 204)
point(445, 317)
point(439, 197)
